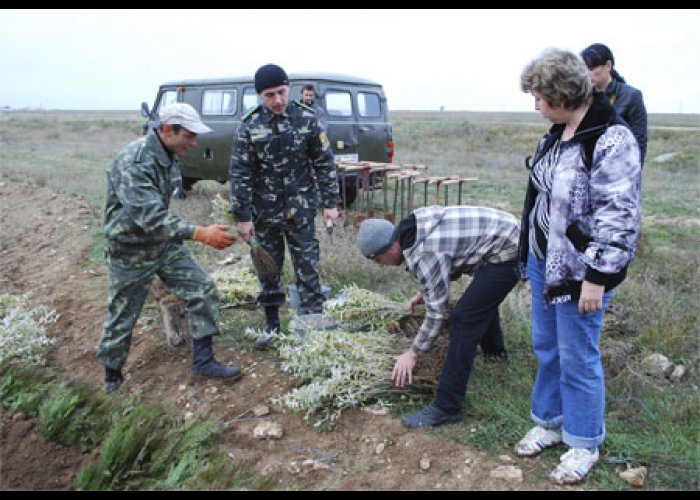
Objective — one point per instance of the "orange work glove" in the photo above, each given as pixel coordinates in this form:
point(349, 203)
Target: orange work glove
point(215, 236)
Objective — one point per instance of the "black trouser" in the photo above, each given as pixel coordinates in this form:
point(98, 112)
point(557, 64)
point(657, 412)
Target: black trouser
point(474, 317)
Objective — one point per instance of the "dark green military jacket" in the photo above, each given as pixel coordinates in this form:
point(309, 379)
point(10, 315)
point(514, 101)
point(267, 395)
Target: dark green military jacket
point(277, 162)
point(140, 183)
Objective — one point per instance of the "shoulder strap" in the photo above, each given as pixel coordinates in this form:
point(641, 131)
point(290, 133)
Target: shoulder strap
point(304, 106)
point(590, 141)
point(589, 147)
point(250, 112)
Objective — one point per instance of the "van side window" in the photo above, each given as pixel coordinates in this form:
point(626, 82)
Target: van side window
point(167, 97)
point(250, 99)
point(219, 102)
point(338, 103)
point(368, 105)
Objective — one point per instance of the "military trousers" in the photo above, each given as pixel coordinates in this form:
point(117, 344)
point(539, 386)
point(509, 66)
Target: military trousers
point(131, 273)
point(305, 254)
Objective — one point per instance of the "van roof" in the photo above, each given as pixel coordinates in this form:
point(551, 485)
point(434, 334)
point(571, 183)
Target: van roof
point(330, 77)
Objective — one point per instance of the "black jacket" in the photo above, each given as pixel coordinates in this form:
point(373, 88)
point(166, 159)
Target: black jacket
point(629, 104)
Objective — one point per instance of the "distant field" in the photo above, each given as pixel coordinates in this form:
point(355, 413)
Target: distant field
point(660, 119)
point(534, 118)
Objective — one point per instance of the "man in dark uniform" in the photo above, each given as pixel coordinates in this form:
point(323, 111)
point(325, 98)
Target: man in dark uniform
point(144, 239)
point(308, 97)
point(281, 157)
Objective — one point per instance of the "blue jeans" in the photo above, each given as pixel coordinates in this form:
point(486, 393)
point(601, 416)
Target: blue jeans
point(569, 391)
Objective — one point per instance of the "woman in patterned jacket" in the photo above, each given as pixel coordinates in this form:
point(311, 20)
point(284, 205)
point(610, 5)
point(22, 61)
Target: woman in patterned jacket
point(579, 232)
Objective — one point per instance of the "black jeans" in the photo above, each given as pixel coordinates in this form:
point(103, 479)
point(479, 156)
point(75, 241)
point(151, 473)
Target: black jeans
point(473, 318)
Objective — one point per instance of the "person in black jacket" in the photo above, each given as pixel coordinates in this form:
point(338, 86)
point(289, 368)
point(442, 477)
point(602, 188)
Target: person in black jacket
point(626, 99)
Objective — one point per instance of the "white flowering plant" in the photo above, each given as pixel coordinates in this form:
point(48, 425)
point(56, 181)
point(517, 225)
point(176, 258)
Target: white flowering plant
point(236, 285)
point(360, 309)
point(22, 330)
point(347, 365)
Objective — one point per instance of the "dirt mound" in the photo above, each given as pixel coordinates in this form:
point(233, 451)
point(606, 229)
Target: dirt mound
point(46, 240)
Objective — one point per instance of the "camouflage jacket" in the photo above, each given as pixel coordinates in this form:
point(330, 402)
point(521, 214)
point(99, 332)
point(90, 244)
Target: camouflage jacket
point(140, 182)
point(319, 112)
point(277, 164)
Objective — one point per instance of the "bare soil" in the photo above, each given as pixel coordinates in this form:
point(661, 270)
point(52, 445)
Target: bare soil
point(45, 242)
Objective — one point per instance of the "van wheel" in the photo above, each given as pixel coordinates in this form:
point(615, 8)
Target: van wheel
point(188, 182)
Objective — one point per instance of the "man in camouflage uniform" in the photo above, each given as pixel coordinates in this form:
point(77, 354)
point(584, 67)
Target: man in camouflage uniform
point(145, 239)
point(281, 157)
point(308, 97)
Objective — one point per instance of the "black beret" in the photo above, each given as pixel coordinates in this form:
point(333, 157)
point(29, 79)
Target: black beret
point(269, 76)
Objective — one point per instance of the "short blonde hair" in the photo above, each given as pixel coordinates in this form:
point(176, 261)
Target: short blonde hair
point(560, 77)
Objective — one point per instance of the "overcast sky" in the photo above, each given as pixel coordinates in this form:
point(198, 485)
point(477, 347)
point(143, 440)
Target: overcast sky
point(460, 59)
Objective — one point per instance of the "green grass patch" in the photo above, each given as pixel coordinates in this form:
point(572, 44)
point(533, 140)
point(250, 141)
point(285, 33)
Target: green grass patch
point(142, 446)
point(147, 448)
point(69, 414)
point(23, 388)
point(661, 296)
point(72, 414)
point(655, 425)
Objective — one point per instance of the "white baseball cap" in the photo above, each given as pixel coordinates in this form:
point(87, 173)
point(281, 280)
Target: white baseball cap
point(181, 113)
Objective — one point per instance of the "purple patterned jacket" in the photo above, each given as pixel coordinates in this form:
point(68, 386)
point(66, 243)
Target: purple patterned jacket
point(594, 213)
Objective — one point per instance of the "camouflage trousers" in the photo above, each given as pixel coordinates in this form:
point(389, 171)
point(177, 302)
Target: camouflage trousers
point(305, 255)
point(131, 273)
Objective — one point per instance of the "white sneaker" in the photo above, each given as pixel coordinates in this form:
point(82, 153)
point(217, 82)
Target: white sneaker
point(575, 465)
point(537, 439)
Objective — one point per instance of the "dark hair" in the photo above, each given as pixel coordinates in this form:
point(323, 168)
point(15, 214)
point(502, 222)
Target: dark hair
point(598, 54)
point(308, 86)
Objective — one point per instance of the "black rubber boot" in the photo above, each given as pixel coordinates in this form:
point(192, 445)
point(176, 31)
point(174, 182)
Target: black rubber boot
point(113, 379)
point(204, 364)
point(272, 318)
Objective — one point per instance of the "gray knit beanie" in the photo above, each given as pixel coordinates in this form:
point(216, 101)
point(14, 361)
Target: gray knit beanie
point(375, 237)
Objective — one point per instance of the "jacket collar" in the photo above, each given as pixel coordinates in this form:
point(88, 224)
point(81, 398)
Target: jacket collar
point(163, 156)
point(612, 88)
point(268, 116)
point(599, 116)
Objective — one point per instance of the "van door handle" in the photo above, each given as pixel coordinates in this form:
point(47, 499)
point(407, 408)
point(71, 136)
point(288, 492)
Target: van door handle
point(365, 129)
